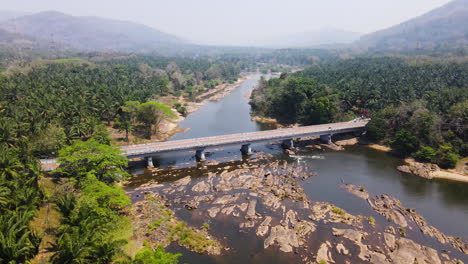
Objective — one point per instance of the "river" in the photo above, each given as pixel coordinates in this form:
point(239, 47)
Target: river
point(444, 204)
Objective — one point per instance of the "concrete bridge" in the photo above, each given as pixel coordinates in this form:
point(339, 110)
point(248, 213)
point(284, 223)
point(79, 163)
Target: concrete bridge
point(244, 140)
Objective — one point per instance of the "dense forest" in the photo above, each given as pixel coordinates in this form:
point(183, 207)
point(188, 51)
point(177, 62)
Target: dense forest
point(60, 108)
point(63, 100)
point(418, 106)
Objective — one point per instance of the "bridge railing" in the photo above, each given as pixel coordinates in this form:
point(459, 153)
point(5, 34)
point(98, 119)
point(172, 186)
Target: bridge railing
point(241, 138)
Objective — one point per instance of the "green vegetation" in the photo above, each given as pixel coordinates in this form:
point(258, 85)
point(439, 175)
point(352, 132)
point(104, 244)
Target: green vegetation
point(371, 220)
point(189, 237)
point(165, 217)
point(157, 256)
point(91, 219)
point(414, 103)
point(84, 157)
point(19, 198)
point(402, 231)
point(64, 101)
point(151, 114)
point(338, 211)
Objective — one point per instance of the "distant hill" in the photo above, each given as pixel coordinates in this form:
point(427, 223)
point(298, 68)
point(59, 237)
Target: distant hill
point(314, 39)
point(443, 28)
point(91, 33)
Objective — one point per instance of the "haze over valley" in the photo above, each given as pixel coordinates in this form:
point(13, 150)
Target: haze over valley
point(209, 132)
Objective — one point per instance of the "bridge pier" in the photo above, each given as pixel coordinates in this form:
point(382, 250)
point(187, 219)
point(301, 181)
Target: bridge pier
point(326, 138)
point(200, 155)
point(149, 162)
point(288, 144)
point(246, 150)
point(359, 133)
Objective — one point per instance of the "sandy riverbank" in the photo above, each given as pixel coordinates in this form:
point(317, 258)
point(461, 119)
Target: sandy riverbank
point(168, 128)
point(429, 170)
point(425, 170)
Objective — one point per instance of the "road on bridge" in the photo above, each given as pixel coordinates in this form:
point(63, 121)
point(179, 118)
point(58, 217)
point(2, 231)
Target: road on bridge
point(243, 138)
point(148, 149)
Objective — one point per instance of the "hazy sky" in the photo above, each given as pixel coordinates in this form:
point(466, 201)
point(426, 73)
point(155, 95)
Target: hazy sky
point(240, 22)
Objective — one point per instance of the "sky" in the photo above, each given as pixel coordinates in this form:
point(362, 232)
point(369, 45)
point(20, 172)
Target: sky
point(240, 22)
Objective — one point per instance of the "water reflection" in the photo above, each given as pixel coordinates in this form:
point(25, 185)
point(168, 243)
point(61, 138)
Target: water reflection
point(444, 204)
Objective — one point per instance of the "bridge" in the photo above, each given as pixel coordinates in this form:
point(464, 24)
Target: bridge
point(245, 140)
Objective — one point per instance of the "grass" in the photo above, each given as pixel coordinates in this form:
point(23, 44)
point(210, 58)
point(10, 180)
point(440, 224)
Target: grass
point(166, 216)
point(188, 237)
point(46, 223)
point(371, 220)
point(402, 231)
point(338, 211)
point(70, 60)
point(322, 262)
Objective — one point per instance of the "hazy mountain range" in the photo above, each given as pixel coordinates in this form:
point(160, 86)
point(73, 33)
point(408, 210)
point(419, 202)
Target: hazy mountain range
point(90, 33)
point(445, 27)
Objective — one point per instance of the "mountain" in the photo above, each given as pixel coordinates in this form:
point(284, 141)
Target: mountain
point(92, 33)
point(442, 28)
point(314, 39)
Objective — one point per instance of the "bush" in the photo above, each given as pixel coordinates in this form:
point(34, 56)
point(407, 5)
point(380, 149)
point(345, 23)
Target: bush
point(426, 154)
point(405, 143)
point(446, 158)
point(157, 256)
point(376, 128)
point(338, 211)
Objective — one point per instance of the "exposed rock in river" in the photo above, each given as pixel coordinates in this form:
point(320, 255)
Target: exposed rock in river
point(266, 202)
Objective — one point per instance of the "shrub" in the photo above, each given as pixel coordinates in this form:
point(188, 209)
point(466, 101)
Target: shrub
point(405, 143)
point(426, 154)
point(446, 158)
point(337, 210)
point(157, 256)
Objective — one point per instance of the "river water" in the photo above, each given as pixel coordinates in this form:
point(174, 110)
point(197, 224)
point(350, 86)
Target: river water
point(444, 204)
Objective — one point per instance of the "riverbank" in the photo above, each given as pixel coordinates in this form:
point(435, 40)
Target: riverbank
point(261, 202)
point(431, 171)
point(428, 170)
point(424, 170)
point(169, 127)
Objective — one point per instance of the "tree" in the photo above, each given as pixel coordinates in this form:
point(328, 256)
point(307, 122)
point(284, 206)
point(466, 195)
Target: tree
point(124, 124)
point(104, 161)
point(151, 114)
point(101, 135)
point(446, 158)
point(50, 140)
point(157, 256)
point(405, 143)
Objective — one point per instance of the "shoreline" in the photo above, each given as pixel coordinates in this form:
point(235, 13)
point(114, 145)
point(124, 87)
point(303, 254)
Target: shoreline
point(169, 128)
point(425, 169)
point(419, 169)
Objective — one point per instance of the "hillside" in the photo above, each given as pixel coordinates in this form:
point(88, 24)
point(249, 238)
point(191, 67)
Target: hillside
point(91, 33)
point(443, 28)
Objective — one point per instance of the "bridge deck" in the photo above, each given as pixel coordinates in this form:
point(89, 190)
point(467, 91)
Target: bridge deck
point(133, 151)
point(148, 149)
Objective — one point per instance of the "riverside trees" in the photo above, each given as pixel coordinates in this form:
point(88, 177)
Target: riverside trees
point(68, 100)
point(416, 105)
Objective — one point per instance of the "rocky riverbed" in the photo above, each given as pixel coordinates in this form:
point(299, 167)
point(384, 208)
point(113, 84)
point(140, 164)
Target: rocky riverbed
point(264, 198)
